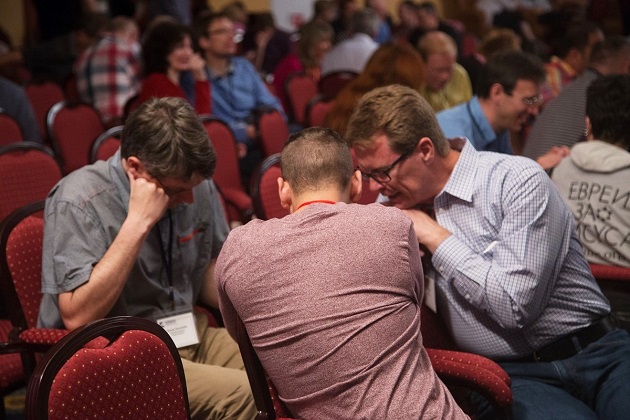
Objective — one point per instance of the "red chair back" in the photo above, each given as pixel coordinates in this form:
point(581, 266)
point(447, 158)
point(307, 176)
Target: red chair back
point(106, 145)
point(135, 371)
point(317, 110)
point(10, 131)
point(42, 97)
point(21, 241)
point(332, 83)
point(264, 190)
point(227, 174)
point(299, 90)
point(72, 128)
point(273, 131)
point(28, 172)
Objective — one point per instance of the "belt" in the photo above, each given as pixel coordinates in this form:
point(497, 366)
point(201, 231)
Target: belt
point(572, 344)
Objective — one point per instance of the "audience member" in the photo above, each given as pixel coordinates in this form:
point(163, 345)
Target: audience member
point(447, 83)
point(237, 89)
point(324, 11)
point(495, 40)
point(390, 64)
point(168, 53)
point(341, 25)
point(178, 9)
point(53, 59)
point(366, 359)
point(314, 43)
point(237, 12)
point(595, 175)
point(511, 280)
point(385, 31)
point(509, 93)
point(138, 235)
point(429, 20)
point(408, 21)
point(353, 53)
point(572, 55)
point(264, 45)
point(562, 121)
point(15, 103)
point(108, 73)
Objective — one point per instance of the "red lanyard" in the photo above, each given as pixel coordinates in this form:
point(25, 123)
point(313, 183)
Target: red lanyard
point(306, 203)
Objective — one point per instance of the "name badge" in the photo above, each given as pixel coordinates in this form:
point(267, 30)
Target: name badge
point(181, 328)
point(429, 291)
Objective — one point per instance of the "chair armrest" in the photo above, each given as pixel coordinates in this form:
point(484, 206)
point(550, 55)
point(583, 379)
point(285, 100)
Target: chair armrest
point(41, 339)
point(473, 372)
point(610, 273)
point(238, 199)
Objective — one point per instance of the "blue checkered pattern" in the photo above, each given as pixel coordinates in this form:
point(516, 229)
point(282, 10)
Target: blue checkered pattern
point(512, 277)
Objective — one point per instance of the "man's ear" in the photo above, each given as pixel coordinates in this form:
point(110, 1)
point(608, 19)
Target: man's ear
point(285, 193)
point(356, 186)
point(588, 131)
point(496, 89)
point(135, 167)
point(426, 149)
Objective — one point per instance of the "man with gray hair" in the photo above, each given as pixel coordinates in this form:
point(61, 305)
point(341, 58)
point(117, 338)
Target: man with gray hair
point(138, 235)
point(511, 280)
point(353, 53)
point(348, 280)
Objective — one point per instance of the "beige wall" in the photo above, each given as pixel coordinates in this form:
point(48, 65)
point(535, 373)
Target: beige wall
point(12, 19)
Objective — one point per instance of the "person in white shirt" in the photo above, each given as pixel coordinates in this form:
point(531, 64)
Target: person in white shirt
point(353, 53)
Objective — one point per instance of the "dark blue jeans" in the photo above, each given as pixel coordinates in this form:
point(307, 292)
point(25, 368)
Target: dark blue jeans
point(594, 384)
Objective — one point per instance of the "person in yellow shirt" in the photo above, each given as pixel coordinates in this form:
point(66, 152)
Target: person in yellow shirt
point(447, 83)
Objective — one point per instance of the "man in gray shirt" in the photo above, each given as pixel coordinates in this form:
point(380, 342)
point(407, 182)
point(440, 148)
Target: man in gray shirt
point(138, 235)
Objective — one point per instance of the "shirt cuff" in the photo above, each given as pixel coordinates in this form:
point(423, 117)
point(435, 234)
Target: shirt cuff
point(449, 255)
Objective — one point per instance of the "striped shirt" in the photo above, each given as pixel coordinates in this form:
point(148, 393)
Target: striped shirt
point(562, 121)
point(512, 277)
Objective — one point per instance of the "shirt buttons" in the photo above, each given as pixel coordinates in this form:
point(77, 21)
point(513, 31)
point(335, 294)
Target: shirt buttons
point(467, 297)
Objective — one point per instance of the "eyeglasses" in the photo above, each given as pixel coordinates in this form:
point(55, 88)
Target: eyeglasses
point(382, 175)
point(237, 34)
point(533, 100)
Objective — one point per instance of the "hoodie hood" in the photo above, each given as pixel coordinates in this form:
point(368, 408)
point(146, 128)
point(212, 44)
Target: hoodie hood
point(599, 156)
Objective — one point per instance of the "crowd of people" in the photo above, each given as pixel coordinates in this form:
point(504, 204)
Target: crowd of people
point(500, 170)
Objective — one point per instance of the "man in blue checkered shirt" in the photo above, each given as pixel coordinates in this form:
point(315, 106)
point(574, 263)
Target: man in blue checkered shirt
point(512, 282)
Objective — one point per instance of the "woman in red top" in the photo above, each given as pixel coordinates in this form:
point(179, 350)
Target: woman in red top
point(168, 52)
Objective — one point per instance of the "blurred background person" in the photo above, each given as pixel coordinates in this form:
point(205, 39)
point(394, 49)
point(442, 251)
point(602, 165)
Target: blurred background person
point(315, 41)
point(15, 103)
point(264, 45)
point(447, 83)
point(390, 64)
point(352, 53)
point(167, 54)
point(108, 73)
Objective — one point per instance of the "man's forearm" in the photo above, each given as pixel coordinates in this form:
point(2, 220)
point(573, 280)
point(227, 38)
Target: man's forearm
point(94, 299)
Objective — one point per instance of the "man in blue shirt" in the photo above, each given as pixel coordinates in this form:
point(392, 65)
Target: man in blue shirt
point(508, 95)
point(237, 89)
